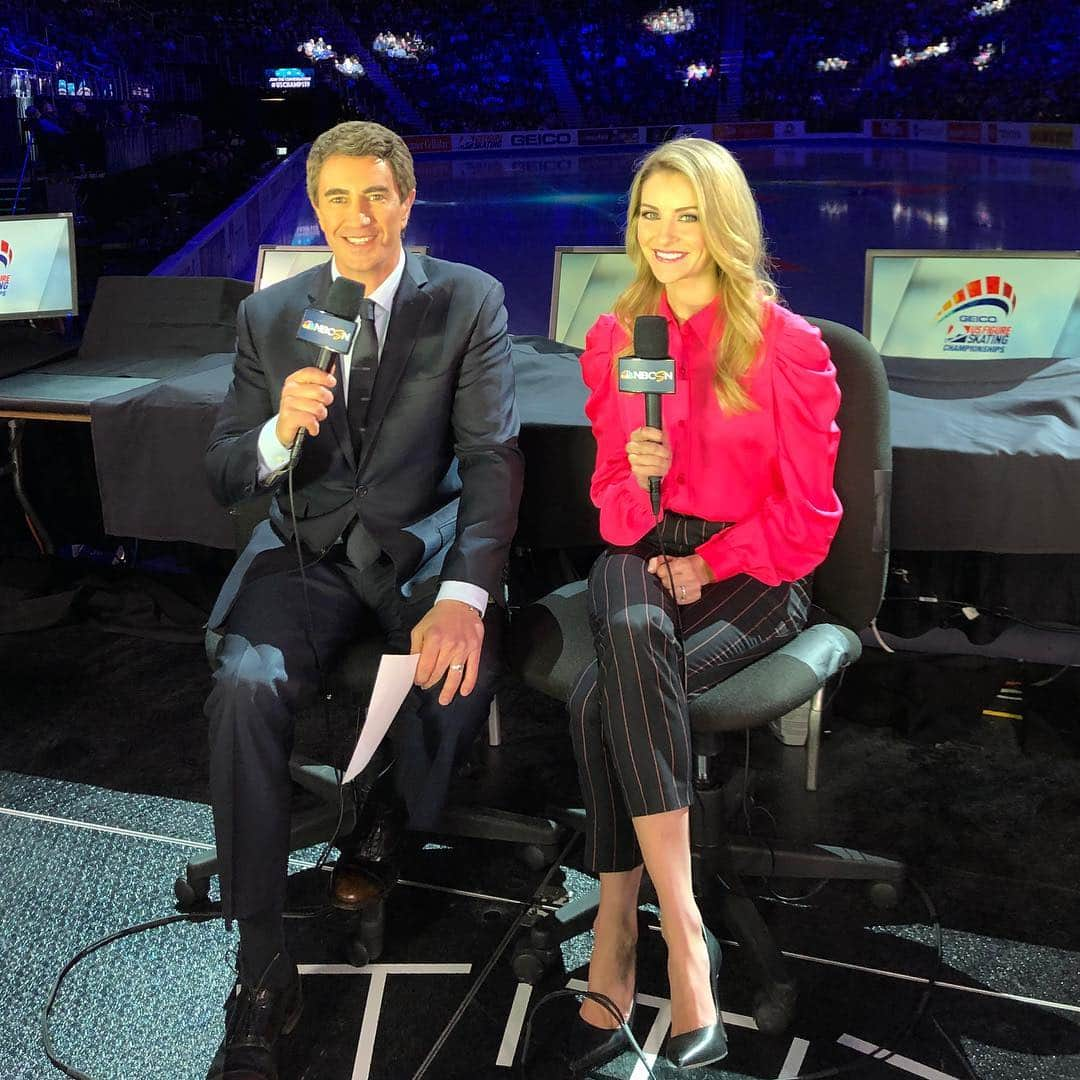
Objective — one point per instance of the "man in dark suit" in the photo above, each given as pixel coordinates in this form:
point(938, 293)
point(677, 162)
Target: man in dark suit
point(406, 497)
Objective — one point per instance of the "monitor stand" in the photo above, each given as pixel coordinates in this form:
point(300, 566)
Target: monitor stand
point(25, 345)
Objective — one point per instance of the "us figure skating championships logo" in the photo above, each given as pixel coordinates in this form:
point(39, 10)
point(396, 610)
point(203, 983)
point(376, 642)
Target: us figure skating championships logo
point(979, 316)
point(7, 255)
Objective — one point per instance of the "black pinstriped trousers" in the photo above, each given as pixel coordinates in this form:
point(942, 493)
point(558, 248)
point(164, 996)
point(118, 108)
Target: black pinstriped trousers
point(629, 717)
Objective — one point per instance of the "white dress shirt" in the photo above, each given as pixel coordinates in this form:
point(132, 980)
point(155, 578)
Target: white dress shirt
point(273, 457)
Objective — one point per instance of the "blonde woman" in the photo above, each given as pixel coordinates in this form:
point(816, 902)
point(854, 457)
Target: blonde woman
point(748, 510)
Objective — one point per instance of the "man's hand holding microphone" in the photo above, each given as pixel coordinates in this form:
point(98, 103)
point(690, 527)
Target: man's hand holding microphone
point(306, 397)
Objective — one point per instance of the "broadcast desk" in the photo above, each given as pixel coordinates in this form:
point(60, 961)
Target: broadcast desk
point(149, 432)
point(986, 475)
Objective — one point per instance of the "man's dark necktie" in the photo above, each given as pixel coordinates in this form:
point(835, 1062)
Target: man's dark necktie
point(365, 361)
point(360, 546)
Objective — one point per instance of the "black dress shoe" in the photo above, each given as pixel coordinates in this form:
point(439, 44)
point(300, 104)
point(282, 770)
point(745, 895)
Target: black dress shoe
point(255, 1018)
point(591, 1047)
point(702, 1046)
point(371, 857)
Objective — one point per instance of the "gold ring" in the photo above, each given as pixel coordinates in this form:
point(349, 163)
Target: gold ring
point(682, 592)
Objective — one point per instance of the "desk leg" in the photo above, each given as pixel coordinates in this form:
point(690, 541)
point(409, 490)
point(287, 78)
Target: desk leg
point(14, 466)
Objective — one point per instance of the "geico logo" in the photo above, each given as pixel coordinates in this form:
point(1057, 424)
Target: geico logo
point(648, 376)
point(980, 318)
point(557, 165)
point(332, 332)
point(541, 138)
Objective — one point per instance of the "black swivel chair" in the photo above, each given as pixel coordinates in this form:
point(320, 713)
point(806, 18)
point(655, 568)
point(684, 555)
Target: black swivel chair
point(320, 814)
point(552, 643)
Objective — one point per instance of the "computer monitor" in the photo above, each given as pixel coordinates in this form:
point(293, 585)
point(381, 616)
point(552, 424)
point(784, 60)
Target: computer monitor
point(586, 283)
point(280, 261)
point(37, 266)
point(973, 305)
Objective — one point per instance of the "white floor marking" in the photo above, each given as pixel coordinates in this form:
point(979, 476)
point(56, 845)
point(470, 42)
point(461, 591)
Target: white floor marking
point(385, 969)
point(796, 1055)
point(365, 1046)
point(735, 1019)
point(514, 1023)
point(897, 1061)
point(378, 973)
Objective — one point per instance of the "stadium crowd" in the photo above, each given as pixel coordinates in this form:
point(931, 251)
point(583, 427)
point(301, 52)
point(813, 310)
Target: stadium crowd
point(76, 70)
point(465, 66)
point(1000, 61)
point(627, 70)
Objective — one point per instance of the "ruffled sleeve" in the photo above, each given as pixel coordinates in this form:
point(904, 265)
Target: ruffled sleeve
point(789, 535)
point(625, 513)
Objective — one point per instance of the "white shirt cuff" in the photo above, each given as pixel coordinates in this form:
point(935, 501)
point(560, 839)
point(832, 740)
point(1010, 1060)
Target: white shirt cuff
point(466, 592)
point(273, 457)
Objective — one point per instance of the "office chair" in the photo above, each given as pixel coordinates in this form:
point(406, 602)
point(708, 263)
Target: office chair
point(320, 813)
point(553, 643)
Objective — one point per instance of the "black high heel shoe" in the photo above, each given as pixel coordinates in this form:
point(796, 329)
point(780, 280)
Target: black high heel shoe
point(702, 1046)
point(593, 1046)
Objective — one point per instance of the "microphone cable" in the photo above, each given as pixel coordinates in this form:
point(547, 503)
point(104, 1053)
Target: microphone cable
point(343, 303)
point(322, 691)
point(208, 915)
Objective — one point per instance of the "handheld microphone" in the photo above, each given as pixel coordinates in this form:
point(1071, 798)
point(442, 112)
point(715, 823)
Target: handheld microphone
point(333, 330)
point(650, 371)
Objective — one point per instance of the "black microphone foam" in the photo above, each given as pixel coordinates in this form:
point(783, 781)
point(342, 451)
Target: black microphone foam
point(344, 299)
point(651, 337)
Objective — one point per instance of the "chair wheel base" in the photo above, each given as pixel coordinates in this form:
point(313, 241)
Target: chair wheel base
point(537, 856)
point(774, 1008)
point(530, 964)
point(356, 953)
point(364, 945)
point(190, 894)
point(884, 895)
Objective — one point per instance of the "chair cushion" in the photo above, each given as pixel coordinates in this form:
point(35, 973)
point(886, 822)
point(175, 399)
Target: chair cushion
point(767, 688)
point(552, 644)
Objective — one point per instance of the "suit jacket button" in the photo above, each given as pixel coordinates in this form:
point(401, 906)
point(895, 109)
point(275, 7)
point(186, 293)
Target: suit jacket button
point(361, 490)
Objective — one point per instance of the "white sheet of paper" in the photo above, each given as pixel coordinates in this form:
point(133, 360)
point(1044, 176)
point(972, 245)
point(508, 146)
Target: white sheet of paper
point(393, 681)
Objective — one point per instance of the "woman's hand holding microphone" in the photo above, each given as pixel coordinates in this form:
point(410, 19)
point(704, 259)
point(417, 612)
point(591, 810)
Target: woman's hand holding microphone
point(683, 577)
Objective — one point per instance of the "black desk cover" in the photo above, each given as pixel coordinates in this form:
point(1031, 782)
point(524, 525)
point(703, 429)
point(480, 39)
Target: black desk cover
point(149, 444)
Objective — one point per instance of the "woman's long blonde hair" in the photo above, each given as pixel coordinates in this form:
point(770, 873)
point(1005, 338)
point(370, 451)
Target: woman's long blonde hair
point(731, 224)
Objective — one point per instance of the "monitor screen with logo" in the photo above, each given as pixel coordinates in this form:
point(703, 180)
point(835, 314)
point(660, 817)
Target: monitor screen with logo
point(37, 266)
point(586, 283)
point(973, 305)
point(289, 78)
point(280, 261)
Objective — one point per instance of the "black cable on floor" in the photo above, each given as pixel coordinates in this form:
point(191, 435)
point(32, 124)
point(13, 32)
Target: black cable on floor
point(527, 906)
point(958, 1051)
point(138, 928)
point(46, 1038)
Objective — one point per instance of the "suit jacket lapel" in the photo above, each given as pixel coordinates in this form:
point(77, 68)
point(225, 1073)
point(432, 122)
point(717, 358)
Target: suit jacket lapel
point(406, 317)
point(339, 420)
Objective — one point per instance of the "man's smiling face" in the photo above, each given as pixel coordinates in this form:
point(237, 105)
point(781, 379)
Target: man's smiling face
point(362, 215)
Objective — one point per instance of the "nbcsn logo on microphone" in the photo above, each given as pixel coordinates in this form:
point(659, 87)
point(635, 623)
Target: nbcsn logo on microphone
point(979, 316)
point(7, 256)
